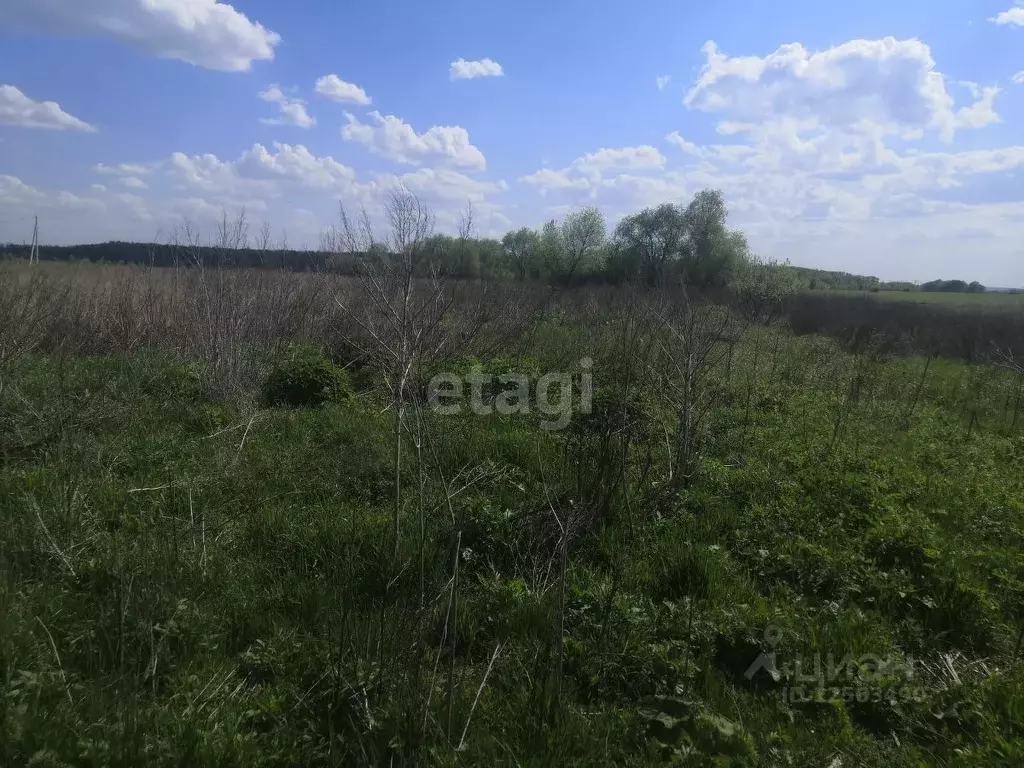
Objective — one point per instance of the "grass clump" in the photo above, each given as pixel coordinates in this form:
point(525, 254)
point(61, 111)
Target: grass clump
point(304, 377)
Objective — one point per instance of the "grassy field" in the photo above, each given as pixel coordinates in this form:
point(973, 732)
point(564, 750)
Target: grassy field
point(777, 553)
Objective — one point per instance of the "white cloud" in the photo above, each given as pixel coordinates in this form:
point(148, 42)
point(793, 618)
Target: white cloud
point(24, 200)
point(258, 171)
point(333, 87)
point(293, 111)
point(637, 158)
point(468, 70)
point(13, 191)
point(134, 182)
point(398, 141)
point(826, 168)
point(443, 184)
point(98, 188)
point(982, 112)
point(1018, 78)
point(126, 169)
point(676, 139)
point(585, 173)
point(18, 109)
point(206, 33)
point(1014, 16)
point(74, 202)
point(888, 83)
point(546, 180)
point(297, 164)
point(662, 80)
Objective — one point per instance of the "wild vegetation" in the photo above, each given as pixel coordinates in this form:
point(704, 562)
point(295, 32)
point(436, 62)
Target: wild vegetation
point(234, 532)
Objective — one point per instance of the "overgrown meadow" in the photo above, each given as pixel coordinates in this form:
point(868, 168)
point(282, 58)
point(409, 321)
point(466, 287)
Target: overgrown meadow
point(233, 532)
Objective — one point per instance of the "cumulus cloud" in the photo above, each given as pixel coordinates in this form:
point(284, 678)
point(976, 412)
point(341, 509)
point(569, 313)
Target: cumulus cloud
point(396, 140)
point(443, 184)
point(547, 179)
point(273, 180)
point(888, 83)
point(662, 81)
point(820, 162)
point(206, 33)
point(18, 109)
point(1018, 78)
point(1013, 17)
point(297, 164)
point(585, 173)
point(636, 158)
point(292, 111)
point(468, 70)
point(676, 139)
point(336, 89)
point(258, 169)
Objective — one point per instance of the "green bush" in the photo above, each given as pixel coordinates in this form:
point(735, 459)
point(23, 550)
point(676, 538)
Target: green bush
point(305, 377)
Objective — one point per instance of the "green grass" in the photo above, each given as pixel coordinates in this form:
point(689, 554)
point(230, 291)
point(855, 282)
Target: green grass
point(191, 582)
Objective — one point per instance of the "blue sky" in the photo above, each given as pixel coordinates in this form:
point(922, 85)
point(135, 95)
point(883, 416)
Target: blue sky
point(883, 138)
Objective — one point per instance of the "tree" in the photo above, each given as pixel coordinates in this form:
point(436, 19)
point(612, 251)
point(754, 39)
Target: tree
point(552, 249)
point(583, 232)
point(650, 240)
point(522, 248)
point(492, 259)
point(712, 251)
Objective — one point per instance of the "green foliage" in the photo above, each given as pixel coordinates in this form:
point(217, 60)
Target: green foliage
point(670, 243)
point(183, 584)
point(952, 286)
point(304, 377)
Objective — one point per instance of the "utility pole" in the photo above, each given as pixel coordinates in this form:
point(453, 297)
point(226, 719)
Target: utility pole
point(33, 255)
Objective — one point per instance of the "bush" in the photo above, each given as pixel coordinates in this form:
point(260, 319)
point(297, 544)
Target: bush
point(305, 377)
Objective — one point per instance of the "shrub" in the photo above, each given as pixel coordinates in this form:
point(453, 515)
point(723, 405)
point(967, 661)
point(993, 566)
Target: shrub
point(305, 377)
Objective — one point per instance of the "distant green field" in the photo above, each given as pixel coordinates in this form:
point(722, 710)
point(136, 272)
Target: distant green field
point(994, 300)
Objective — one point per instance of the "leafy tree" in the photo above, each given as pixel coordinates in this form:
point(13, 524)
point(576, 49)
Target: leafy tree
point(712, 251)
point(649, 241)
point(522, 248)
point(552, 249)
point(583, 233)
point(491, 258)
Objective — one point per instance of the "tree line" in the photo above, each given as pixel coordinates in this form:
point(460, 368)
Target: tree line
point(689, 243)
point(952, 286)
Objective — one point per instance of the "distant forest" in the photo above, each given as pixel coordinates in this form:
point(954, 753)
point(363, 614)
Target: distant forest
point(169, 255)
point(820, 279)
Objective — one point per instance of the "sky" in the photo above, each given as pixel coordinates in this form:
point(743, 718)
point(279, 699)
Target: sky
point(882, 138)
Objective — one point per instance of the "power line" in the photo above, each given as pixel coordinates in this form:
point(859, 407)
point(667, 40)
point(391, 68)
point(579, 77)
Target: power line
point(33, 256)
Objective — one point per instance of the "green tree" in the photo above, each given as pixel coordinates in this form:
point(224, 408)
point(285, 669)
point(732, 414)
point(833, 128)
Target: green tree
point(583, 234)
point(649, 241)
point(522, 249)
point(552, 250)
point(712, 251)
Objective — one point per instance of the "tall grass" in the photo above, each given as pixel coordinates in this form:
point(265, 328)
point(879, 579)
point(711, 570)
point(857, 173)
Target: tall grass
point(191, 577)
